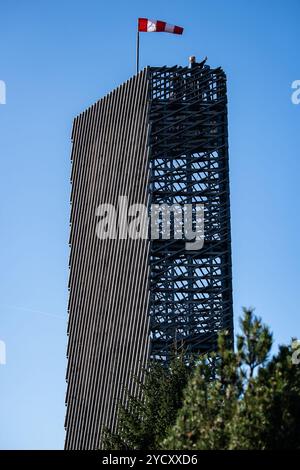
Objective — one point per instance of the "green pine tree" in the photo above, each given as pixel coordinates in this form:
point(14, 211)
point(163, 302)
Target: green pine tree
point(244, 401)
point(143, 421)
point(226, 400)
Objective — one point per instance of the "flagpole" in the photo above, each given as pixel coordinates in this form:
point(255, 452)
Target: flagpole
point(137, 50)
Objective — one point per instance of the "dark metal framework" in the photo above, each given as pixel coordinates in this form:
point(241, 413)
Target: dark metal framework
point(190, 292)
point(161, 137)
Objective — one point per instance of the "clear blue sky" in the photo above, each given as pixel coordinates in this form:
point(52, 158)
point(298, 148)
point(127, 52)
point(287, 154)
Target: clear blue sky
point(57, 58)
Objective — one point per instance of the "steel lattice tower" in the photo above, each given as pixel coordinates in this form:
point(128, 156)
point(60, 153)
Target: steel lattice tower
point(190, 292)
point(159, 138)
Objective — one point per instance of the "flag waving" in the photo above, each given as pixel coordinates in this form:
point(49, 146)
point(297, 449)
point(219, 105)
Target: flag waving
point(155, 26)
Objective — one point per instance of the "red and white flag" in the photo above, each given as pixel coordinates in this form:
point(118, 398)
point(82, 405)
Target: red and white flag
point(155, 26)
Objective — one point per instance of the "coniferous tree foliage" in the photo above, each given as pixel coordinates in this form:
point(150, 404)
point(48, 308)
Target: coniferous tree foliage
point(225, 400)
point(250, 403)
point(144, 420)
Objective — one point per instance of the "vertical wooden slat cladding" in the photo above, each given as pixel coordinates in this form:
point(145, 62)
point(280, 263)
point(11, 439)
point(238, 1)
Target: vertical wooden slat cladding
point(108, 303)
